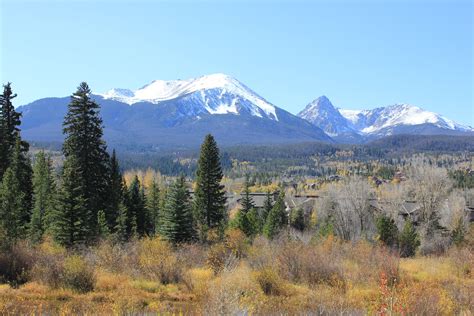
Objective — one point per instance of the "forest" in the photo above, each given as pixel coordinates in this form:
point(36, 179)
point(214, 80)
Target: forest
point(284, 229)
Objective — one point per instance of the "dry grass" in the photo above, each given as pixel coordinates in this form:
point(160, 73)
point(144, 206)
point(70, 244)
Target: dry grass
point(324, 277)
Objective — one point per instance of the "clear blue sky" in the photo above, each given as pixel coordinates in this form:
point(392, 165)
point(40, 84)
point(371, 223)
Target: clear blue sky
point(361, 54)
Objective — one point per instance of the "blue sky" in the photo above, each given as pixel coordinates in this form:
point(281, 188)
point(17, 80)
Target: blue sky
point(361, 54)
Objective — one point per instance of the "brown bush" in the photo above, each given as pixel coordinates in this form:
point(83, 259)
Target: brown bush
point(191, 255)
point(219, 257)
point(16, 262)
point(157, 261)
point(310, 264)
point(261, 255)
point(58, 269)
point(269, 281)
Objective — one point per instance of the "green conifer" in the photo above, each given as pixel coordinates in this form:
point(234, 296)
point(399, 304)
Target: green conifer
point(177, 223)
point(408, 240)
point(209, 197)
point(153, 205)
point(44, 194)
point(84, 144)
point(277, 219)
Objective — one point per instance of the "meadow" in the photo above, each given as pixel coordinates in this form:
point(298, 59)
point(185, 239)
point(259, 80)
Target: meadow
point(291, 274)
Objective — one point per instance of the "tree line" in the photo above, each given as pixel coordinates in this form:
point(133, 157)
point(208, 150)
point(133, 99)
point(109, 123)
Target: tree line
point(89, 199)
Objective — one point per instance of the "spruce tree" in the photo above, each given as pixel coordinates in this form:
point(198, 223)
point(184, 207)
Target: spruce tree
point(177, 219)
point(116, 192)
point(9, 127)
point(44, 194)
point(267, 206)
point(121, 229)
point(104, 230)
point(84, 144)
point(387, 230)
point(153, 205)
point(297, 220)
point(209, 196)
point(247, 202)
point(12, 206)
point(21, 166)
point(408, 240)
point(245, 222)
point(137, 212)
point(277, 218)
point(70, 223)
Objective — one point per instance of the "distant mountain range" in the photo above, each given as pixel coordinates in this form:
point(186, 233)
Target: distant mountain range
point(364, 125)
point(178, 113)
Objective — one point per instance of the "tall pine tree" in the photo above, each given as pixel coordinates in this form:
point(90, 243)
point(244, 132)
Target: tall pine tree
point(153, 205)
point(44, 195)
point(245, 219)
point(137, 213)
point(277, 219)
point(116, 192)
point(12, 206)
point(70, 223)
point(177, 219)
point(9, 127)
point(12, 149)
point(209, 196)
point(85, 146)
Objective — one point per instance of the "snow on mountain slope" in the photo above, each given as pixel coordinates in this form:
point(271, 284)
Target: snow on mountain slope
point(378, 122)
point(232, 95)
point(370, 121)
point(323, 114)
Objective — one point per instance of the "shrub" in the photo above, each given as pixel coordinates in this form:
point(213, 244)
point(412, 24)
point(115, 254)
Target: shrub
point(232, 293)
point(235, 241)
point(310, 264)
point(77, 275)
point(55, 268)
point(157, 260)
point(269, 281)
point(15, 264)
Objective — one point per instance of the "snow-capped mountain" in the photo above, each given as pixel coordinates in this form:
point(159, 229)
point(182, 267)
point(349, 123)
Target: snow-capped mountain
point(378, 122)
point(323, 114)
point(214, 94)
point(178, 114)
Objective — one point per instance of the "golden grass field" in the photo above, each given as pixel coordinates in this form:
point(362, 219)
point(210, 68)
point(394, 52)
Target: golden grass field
point(324, 276)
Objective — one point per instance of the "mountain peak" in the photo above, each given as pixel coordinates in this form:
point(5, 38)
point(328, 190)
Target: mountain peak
point(215, 94)
point(322, 113)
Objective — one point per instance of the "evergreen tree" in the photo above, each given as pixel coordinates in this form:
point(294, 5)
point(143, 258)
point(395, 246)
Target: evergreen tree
point(104, 231)
point(277, 218)
point(245, 222)
point(209, 196)
point(44, 193)
point(459, 232)
point(21, 166)
point(84, 144)
point(121, 229)
point(11, 206)
point(297, 220)
point(267, 207)
point(387, 230)
point(137, 212)
point(70, 222)
point(247, 201)
point(153, 205)
point(408, 240)
point(9, 127)
point(177, 223)
point(254, 223)
point(116, 192)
